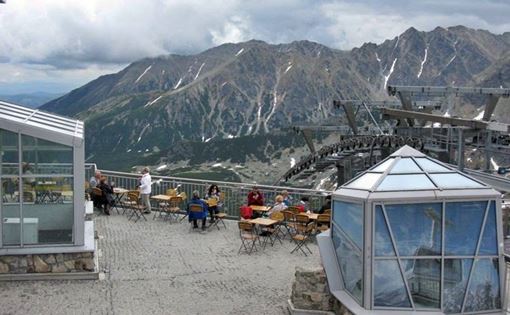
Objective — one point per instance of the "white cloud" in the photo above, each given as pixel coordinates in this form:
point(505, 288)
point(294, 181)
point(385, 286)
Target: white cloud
point(63, 40)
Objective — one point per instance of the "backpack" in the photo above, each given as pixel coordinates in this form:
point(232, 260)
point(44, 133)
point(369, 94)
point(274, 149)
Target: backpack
point(246, 212)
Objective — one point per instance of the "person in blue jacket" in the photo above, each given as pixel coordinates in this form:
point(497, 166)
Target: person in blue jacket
point(194, 216)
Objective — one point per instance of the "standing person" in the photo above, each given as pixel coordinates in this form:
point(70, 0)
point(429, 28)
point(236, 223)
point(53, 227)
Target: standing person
point(255, 197)
point(213, 193)
point(145, 189)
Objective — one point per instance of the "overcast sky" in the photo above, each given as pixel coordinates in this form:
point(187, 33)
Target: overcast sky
point(57, 45)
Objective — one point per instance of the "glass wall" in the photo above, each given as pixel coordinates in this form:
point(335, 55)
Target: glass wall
point(347, 236)
point(9, 176)
point(37, 191)
point(411, 265)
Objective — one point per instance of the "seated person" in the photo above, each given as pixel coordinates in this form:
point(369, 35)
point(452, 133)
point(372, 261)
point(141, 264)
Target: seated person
point(287, 199)
point(194, 216)
point(325, 206)
point(279, 205)
point(106, 199)
point(213, 193)
point(303, 204)
point(255, 198)
point(94, 181)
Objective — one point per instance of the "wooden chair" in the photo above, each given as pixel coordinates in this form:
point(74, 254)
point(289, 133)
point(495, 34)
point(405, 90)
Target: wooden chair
point(304, 229)
point(197, 208)
point(184, 200)
point(323, 221)
point(277, 231)
point(171, 192)
point(248, 236)
point(127, 204)
point(289, 222)
point(174, 207)
point(219, 217)
point(327, 211)
point(137, 208)
point(294, 209)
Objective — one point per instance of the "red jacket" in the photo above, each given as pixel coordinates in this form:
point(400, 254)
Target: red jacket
point(255, 199)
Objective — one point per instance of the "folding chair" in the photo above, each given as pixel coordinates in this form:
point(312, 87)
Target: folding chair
point(127, 204)
point(183, 201)
point(136, 207)
point(197, 208)
point(323, 221)
point(278, 216)
point(289, 222)
point(294, 209)
point(218, 217)
point(174, 207)
point(248, 236)
point(302, 233)
point(171, 192)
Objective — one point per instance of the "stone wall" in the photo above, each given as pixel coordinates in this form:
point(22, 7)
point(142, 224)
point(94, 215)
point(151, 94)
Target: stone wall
point(310, 291)
point(50, 263)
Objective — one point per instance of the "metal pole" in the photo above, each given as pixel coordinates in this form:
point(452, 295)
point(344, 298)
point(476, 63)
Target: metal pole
point(460, 150)
point(488, 142)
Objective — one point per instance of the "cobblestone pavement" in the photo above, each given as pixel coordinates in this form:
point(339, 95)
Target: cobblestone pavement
point(158, 267)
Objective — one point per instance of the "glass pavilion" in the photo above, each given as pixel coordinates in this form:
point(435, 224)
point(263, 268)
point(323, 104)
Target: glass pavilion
point(41, 166)
point(413, 234)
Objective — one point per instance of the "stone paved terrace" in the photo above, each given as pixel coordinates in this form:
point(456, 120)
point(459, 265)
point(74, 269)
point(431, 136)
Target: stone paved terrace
point(158, 267)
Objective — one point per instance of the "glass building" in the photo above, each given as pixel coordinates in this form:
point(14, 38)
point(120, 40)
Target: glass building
point(413, 234)
point(42, 183)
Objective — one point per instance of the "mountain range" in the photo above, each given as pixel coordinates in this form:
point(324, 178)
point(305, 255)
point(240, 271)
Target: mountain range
point(235, 100)
point(32, 100)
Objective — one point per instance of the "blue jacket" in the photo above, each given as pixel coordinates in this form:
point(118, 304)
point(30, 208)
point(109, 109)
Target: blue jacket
point(197, 215)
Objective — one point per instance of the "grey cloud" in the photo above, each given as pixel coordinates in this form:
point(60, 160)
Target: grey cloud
point(80, 34)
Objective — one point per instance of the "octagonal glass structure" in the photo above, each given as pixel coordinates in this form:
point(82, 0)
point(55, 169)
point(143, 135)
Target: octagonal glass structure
point(413, 234)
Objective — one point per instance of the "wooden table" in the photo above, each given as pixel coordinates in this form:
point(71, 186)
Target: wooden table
point(263, 221)
point(161, 198)
point(312, 216)
point(119, 193)
point(166, 206)
point(260, 208)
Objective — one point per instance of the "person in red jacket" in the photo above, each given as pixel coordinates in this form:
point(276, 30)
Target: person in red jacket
point(255, 197)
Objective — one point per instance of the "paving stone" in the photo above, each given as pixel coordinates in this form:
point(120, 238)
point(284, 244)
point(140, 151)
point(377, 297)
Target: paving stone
point(158, 267)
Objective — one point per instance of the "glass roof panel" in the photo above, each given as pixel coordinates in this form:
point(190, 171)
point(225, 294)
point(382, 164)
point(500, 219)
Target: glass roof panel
point(431, 166)
point(454, 180)
point(406, 182)
point(383, 166)
point(42, 120)
point(405, 165)
point(366, 181)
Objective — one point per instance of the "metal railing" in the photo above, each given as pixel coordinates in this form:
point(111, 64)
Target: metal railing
point(235, 193)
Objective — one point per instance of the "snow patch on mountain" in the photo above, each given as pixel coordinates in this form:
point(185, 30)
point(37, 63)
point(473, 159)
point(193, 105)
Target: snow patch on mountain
point(422, 63)
point(178, 84)
point(152, 102)
point(292, 162)
point(199, 70)
point(240, 52)
point(387, 77)
point(143, 73)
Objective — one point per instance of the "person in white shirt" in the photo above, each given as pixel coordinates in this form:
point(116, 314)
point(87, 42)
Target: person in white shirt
point(145, 189)
point(279, 205)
